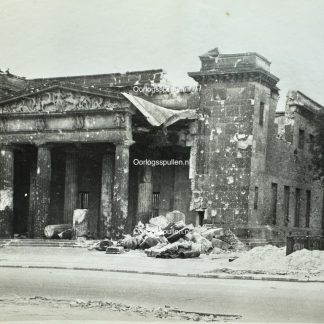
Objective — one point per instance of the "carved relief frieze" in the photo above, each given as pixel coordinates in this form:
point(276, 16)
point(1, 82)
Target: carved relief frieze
point(78, 122)
point(59, 101)
point(40, 124)
point(3, 125)
point(119, 120)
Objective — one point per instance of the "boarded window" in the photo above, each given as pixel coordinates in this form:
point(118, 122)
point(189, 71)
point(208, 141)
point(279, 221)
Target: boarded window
point(308, 207)
point(156, 204)
point(274, 193)
point(84, 199)
point(297, 207)
point(261, 113)
point(256, 197)
point(301, 139)
point(286, 204)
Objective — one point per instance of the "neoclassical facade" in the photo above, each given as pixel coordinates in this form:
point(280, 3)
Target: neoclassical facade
point(232, 159)
point(65, 147)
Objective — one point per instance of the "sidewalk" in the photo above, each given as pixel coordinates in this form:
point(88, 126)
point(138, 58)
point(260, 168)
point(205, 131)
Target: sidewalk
point(206, 266)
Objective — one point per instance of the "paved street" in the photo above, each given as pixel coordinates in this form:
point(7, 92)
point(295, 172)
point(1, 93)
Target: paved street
point(255, 300)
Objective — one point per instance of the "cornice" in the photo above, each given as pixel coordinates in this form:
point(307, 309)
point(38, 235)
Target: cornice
point(236, 75)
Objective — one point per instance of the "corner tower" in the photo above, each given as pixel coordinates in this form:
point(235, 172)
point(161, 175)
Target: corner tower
point(238, 97)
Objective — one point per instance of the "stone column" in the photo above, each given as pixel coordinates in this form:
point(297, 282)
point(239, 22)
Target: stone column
point(6, 190)
point(120, 195)
point(107, 183)
point(32, 197)
point(145, 194)
point(43, 190)
point(71, 186)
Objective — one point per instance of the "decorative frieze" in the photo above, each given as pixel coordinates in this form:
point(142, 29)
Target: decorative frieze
point(59, 101)
point(3, 124)
point(78, 122)
point(40, 124)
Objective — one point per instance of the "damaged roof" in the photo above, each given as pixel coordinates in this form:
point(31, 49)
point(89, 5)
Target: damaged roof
point(298, 98)
point(157, 115)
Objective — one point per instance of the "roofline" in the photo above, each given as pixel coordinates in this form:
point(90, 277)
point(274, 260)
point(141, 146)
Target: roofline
point(110, 94)
point(310, 99)
point(96, 75)
point(245, 54)
point(233, 71)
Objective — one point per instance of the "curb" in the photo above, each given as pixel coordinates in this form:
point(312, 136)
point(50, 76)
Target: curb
point(167, 274)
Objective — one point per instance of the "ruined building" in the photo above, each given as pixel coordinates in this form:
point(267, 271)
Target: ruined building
point(97, 142)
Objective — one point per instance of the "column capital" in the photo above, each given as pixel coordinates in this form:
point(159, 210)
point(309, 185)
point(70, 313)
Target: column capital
point(108, 148)
point(39, 144)
point(7, 147)
point(125, 143)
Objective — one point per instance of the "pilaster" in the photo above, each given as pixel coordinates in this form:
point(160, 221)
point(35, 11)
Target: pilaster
point(107, 185)
point(43, 188)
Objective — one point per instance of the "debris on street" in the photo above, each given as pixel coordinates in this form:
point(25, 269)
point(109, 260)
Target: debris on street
point(80, 222)
point(170, 237)
point(115, 250)
point(163, 312)
point(53, 231)
point(270, 259)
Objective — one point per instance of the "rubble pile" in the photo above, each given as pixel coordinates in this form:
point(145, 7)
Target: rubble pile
point(170, 237)
point(305, 260)
point(270, 259)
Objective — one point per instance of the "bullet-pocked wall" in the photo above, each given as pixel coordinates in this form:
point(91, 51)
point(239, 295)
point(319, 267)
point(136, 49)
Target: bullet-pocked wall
point(290, 195)
point(225, 150)
point(235, 90)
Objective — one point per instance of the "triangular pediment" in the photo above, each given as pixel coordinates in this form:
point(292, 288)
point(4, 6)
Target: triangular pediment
point(61, 98)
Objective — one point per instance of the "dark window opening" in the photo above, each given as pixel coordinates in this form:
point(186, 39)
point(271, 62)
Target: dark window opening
point(201, 215)
point(301, 139)
point(261, 113)
point(256, 197)
point(286, 204)
point(311, 143)
point(297, 207)
point(274, 198)
point(155, 204)
point(308, 207)
point(84, 200)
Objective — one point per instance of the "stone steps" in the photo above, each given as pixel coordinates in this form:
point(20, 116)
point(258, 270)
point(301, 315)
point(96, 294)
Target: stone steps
point(41, 243)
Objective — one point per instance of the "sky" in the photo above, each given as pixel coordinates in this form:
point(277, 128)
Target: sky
point(45, 38)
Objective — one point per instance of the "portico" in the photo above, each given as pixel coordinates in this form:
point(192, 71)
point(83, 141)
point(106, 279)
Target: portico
point(63, 135)
point(69, 147)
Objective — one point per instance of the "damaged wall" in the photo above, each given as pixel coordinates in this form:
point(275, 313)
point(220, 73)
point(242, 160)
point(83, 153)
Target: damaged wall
point(250, 163)
point(224, 151)
point(289, 165)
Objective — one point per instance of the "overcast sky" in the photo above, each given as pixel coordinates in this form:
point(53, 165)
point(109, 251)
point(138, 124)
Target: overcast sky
point(43, 38)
